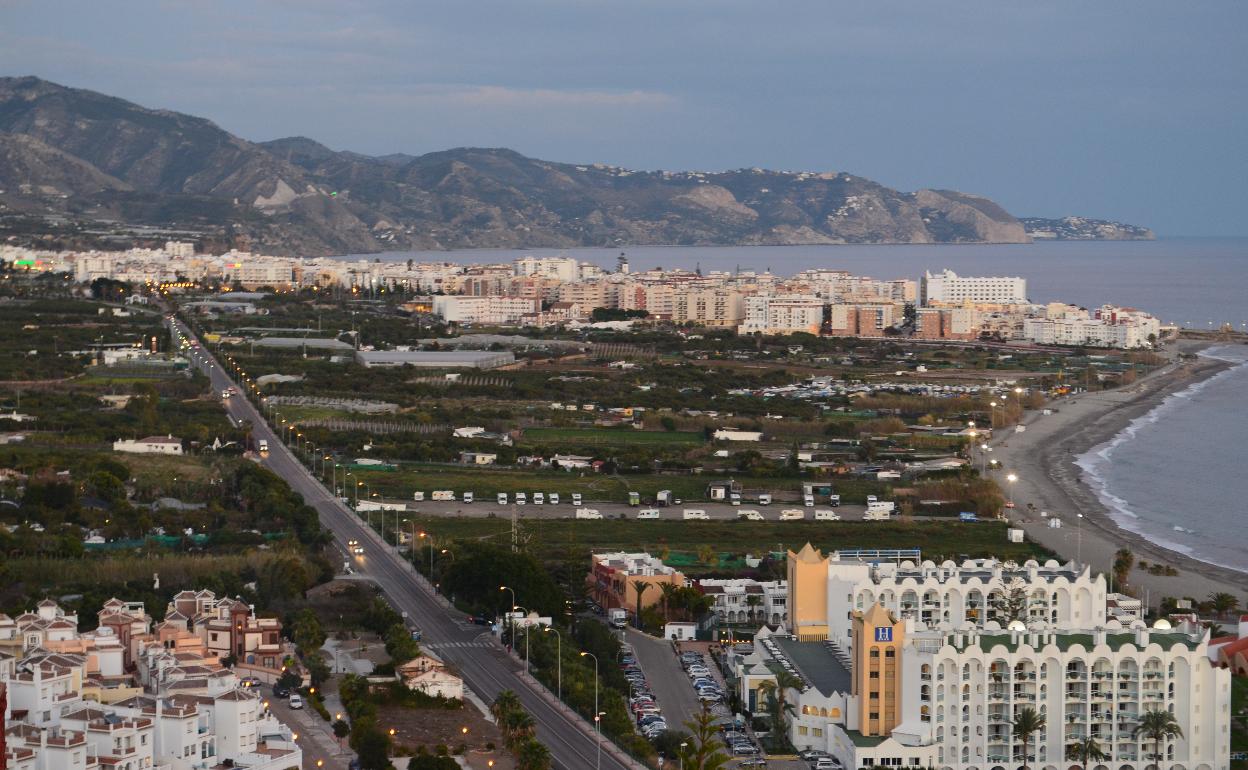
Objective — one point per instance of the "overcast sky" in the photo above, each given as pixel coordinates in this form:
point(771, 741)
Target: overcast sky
point(1134, 110)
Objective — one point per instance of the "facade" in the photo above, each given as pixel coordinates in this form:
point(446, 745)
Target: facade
point(613, 576)
point(949, 288)
point(956, 323)
point(708, 307)
point(825, 591)
point(152, 445)
point(862, 320)
point(490, 309)
point(436, 359)
point(745, 600)
point(787, 314)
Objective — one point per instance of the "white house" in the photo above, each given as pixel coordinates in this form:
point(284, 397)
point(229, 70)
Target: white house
point(725, 434)
point(152, 445)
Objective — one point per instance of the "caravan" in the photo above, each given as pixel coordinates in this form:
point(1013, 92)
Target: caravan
point(824, 514)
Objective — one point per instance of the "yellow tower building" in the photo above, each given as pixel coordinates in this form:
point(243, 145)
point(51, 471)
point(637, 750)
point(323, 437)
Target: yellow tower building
point(877, 670)
point(808, 594)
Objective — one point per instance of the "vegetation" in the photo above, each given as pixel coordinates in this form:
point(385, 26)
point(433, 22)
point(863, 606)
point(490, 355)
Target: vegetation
point(518, 731)
point(1027, 722)
point(1158, 726)
point(702, 751)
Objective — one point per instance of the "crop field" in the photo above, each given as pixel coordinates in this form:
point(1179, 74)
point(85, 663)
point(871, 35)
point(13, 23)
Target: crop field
point(607, 436)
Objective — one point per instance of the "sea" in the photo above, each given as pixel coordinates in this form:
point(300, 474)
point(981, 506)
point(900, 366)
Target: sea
point(1175, 475)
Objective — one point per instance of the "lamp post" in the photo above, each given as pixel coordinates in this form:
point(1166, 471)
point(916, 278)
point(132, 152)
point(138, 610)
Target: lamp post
point(1011, 478)
point(430, 538)
point(597, 716)
point(558, 658)
point(683, 746)
point(1079, 538)
point(511, 623)
point(527, 626)
point(992, 414)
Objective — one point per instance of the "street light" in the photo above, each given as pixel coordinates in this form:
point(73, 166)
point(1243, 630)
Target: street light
point(1011, 478)
point(1079, 538)
point(511, 622)
point(597, 715)
point(558, 657)
point(683, 746)
point(527, 626)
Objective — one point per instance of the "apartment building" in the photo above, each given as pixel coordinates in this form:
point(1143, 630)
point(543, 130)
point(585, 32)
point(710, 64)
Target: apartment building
point(254, 271)
point(867, 320)
point(485, 309)
point(612, 577)
point(1110, 327)
point(920, 686)
point(708, 306)
point(955, 323)
point(564, 269)
point(949, 288)
point(786, 314)
point(824, 591)
point(745, 600)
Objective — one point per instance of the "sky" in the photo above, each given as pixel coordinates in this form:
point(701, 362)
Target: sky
point(1130, 110)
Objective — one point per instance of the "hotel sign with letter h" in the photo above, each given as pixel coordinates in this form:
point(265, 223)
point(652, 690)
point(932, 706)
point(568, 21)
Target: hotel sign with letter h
point(883, 634)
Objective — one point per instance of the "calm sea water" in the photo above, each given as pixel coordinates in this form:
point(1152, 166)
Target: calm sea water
point(1175, 475)
point(1188, 281)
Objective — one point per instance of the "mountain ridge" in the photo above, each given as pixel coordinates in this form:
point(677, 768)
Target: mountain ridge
point(88, 156)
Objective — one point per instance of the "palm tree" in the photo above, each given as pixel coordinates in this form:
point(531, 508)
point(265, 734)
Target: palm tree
point(706, 554)
point(1158, 726)
point(517, 726)
point(1027, 722)
point(533, 755)
point(506, 702)
point(640, 586)
point(1223, 603)
point(778, 705)
point(1084, 751)
point(668, 590)
point(753, 601)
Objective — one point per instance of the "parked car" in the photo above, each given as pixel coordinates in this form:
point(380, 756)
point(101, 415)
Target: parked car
point(296, 700)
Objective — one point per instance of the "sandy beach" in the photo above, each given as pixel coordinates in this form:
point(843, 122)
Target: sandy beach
point(1044, 457)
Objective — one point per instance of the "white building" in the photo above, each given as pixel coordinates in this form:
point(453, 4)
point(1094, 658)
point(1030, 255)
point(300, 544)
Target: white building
point(745, 600)
point(947, 287)
point(563, 268)
point(786, 314)
point(484, 310)
point(727, 434)
point(152, 445)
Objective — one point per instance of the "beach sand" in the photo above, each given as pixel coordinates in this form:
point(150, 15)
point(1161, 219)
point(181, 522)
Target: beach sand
point(1044, 457)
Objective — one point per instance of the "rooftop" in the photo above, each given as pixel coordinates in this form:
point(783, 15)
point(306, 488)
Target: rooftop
point(816, 664)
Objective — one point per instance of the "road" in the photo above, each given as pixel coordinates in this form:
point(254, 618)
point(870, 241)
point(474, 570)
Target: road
point(714, 511)
point(485, 667)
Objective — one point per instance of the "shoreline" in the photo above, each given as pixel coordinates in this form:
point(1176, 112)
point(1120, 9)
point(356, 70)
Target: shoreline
point(1045, 459)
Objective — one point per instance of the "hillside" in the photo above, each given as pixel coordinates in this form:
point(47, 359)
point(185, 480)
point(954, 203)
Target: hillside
point(88, 157)
point(1084, 229)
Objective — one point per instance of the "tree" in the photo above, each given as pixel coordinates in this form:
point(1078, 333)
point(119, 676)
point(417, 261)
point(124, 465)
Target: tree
point(778, 706)
point(640, 586)
point(517, 726)
point(1027, 722)
point(753, 601)
point(1157, 726)
point(702, 751)
point(1084, 751)
point(305, 629)
point(1223, 603)
point(668, 591)
point(707, 555)
point(1124, 560)
point(532, 755)
point(373, 748)
point(341, 729)
point(506, 702)
point(1011, 605)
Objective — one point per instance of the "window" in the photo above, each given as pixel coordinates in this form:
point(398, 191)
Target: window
point(817, 732)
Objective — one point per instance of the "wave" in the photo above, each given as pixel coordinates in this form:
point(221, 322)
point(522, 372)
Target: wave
point(1098, 457)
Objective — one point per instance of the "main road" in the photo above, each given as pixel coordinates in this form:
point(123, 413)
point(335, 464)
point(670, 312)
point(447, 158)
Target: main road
point(485, 668)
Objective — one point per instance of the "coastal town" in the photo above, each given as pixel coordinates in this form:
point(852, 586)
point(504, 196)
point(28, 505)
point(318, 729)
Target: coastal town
point(264, 512)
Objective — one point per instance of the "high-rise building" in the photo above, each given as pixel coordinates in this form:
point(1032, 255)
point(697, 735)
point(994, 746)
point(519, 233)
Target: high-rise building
point(949, 288)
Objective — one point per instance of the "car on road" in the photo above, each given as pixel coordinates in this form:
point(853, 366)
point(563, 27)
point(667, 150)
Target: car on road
point(249, 682)
point(502, 498)
point(826, 763)
point(296, 700)
point(281, 692)
point(354, 547)
point(753, 762)
point(576, 498)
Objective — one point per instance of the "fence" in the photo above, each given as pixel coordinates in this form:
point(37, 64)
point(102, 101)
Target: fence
point(379, 427)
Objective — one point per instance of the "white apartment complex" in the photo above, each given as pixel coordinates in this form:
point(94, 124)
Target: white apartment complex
point(1110, 327)
point(745, 600)
point(949, 288)
point(786, 314)
point(484, 310)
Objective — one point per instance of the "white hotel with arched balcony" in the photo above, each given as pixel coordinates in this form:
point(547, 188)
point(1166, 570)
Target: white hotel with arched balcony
point(924, 665)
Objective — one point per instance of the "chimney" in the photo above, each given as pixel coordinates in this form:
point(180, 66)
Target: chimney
point(1141, 637)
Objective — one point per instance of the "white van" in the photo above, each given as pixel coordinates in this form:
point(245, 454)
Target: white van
point(695, 514)
point(872, 499)
point(749, 515)
point(445, 495)
point(521, 498)
point(824, 514)
point(588, 513)
point(502, 498)
point(554, 498)
point(539, 498)
point(648, 513)
point(735, 498)
point(418, 497)
point(468, 497)
point(764, 499)
point(809, 501)
point(576, 498)
point(792, 514)
point(834, 500)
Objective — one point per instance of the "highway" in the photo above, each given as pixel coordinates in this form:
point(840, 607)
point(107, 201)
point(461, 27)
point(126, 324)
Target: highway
point(486, 669)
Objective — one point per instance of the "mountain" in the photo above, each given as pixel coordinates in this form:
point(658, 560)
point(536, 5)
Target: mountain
point(91, 158)
point(1083, 229)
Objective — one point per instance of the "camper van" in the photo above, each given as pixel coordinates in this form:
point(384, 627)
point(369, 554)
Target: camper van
point(792, 514)
point(588, 513)
point(576, 498)
point(696, 514)
point(444, 495)
point(468, 497)
point(521, 498)
point(764, 499)
point(809, 501)
point(826, 514)
point(539, 498)
point(749, 515)
point(834, 500)
point(418, 497)
point(554, 498)
point(502, 498)
point(648, 513)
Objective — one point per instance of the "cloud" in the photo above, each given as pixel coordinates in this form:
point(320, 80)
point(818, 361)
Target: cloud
point(504, 96)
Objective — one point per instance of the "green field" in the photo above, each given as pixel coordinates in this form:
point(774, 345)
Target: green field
point(564, 540)
point(608, 436)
